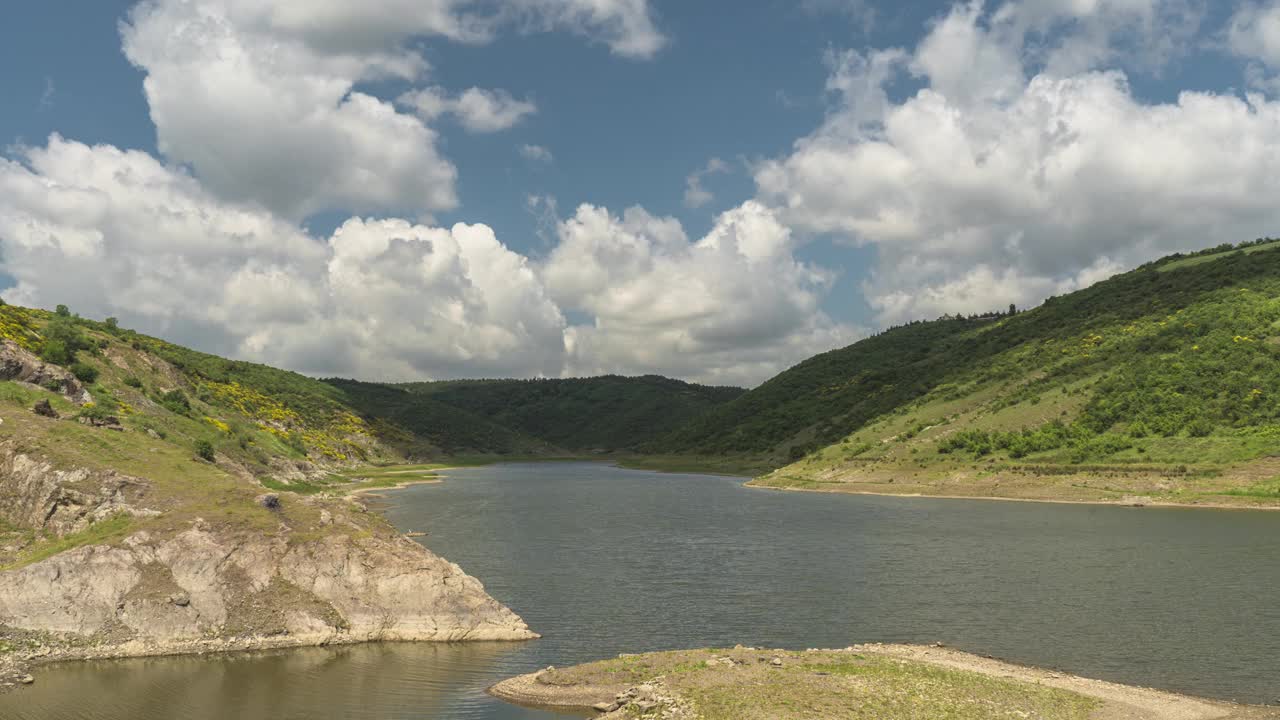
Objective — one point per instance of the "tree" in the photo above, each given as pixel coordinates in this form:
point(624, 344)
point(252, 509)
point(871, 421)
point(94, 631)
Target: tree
point(175, 401)
point(62, 340)
point(1013, 309)
point(55, 351)
point(62, 311)
point(113, 325)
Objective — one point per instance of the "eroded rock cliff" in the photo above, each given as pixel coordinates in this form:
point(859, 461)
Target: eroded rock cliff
point(326, 572)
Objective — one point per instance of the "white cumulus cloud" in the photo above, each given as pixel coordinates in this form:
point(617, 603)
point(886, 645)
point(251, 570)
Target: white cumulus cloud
point(112, 232)
point(1253, 33)
point(119, 234)
point(263, 99)
point(696, 195)
point(732, 307)
point(265, 115)
point(478, 110)
point(1009, 183)
point(626, 26)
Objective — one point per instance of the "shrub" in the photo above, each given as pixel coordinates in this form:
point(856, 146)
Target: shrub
point(294, 440)
point(175, 401)
point(1199, 428)
point(204, 450)
point(55, 351)
point(133, 381)
point(95, 411)
point(62, 340)
point(84, 372)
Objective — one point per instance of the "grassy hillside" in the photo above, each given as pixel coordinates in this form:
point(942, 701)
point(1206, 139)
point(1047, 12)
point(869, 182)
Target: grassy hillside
point(421, 426)
point(1162, 382)
point(246, 412)
point(205, 434)
point(581, 414)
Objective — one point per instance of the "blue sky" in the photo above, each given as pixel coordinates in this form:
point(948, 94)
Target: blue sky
point(830, 161)
point(738, 83)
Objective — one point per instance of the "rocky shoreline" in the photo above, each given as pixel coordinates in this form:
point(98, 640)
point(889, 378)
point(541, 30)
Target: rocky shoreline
point(262, 572)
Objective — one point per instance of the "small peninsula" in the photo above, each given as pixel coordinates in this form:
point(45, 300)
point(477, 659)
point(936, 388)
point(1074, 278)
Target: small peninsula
point(864, 682)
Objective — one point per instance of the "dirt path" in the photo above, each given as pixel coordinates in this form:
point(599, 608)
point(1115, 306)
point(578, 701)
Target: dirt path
point(1122, 702)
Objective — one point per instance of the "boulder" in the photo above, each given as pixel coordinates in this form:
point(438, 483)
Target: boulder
point(18, 363)
point(45, 409)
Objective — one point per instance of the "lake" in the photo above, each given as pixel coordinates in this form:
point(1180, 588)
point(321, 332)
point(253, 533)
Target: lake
point(604, 560)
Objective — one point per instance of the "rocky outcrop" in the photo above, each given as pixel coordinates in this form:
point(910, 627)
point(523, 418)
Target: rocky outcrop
point(651, 699)
point(199, 590)
point(20, 364)
point(60, 502)
point(193, 586)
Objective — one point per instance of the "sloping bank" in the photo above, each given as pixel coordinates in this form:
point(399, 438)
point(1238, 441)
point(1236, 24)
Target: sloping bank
point(108, 565)
point(865, 682)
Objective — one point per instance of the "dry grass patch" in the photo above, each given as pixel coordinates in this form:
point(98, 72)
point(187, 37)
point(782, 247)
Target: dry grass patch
point(747, 684)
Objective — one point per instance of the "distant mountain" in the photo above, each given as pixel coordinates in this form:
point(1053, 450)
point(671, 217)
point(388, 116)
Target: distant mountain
point(581, 414)
point(422, 427)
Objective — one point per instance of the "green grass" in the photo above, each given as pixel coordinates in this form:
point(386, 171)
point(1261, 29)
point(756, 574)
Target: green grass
point(826, 684)
point(26, 396)
point(1212, 256)
point(1139, 375)
point(737, 466)
point(302, 487)
point(1269, 490)
point(100, 533)
point(885, 689)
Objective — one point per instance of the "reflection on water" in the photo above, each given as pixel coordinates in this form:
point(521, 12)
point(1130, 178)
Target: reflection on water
point(603, 560)
point(391, 680)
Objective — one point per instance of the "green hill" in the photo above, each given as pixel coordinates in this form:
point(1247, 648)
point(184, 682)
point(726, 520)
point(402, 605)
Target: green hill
point(1159, 383)
point(253, 416)
point(429, 428)
point(581, 414)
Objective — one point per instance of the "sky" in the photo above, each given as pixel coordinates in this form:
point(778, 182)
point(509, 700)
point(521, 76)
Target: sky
point(710, 190)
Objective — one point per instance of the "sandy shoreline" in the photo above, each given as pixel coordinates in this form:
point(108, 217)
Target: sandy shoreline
point(1116, 701)
point(373, 491)
point(1130, 503)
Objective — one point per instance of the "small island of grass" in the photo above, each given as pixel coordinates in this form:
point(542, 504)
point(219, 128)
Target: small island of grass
point(866, 682)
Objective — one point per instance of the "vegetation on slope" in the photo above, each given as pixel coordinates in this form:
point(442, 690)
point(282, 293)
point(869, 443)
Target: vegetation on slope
point(421, 426)
point(582, 414)
point(1170, 368)
point(824, 397)
point(1161, 382)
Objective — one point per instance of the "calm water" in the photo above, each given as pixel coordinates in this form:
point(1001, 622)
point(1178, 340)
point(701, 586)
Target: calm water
point(604, 560)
